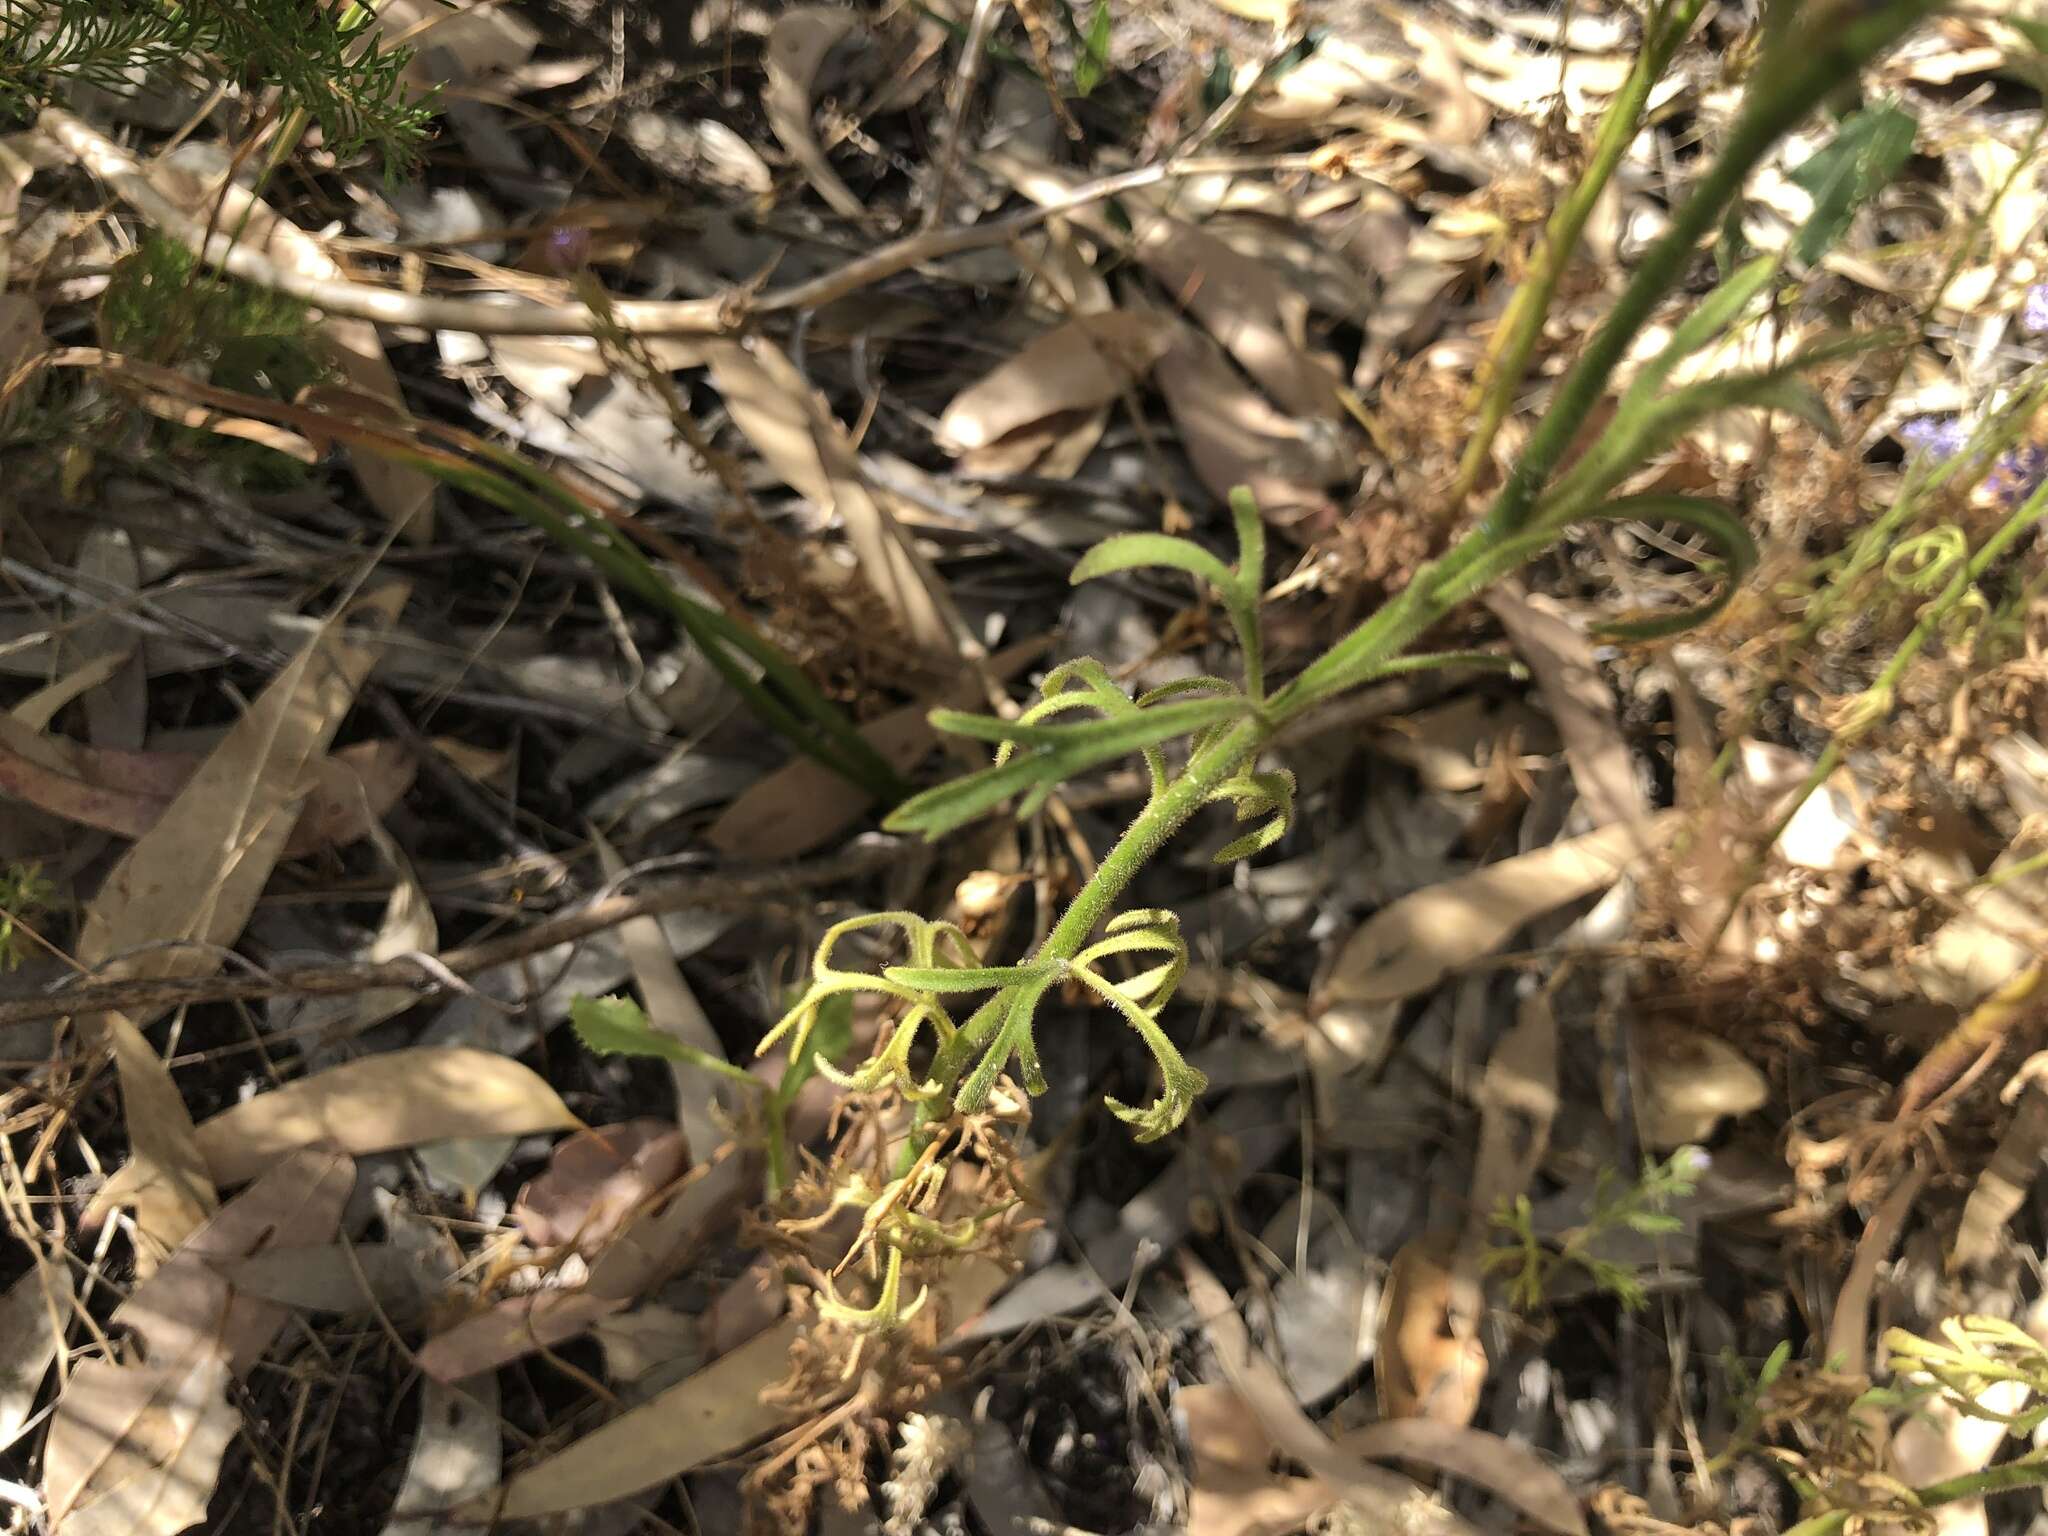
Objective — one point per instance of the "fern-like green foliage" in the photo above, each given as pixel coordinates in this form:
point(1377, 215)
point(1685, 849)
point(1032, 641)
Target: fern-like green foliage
point(324, 60)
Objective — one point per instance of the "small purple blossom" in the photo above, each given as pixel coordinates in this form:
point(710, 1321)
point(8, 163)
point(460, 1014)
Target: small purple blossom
point(568, 247)
point(2017, 474)
point(1939, 437)
point(2034, 310)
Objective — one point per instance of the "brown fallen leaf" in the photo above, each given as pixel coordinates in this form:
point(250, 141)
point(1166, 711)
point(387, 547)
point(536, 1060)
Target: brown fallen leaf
point(595, 1180)
point(1510, 1472)
point(1456, 116)
point(197, 873)
point(1579, 700)
point(165, 1181)
point(804, 804)
point(1387, 1499)
point(709, 1414)
point(1411, 944)
point(135, 1445)
point(135, 1450)
point(797, 45)
point(1688, 1082)
point(1087, 362)
point(1425, 1367)
point(34, 1313)
point(1235, 1491)
point(127, 793)
point(298, 1202)
point(1517, 1103)
point(393, 1099)
point(1242, 303)
point(653, 1245)
point(799, 438)
point(1235, 436)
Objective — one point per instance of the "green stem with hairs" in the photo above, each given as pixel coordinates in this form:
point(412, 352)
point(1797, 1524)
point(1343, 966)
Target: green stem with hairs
point(1521, 325)
point(1794, 79)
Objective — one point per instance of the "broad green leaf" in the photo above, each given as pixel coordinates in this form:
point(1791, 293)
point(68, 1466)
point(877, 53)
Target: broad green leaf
point(1850, 169)
point(1132, 551)
point(1093, 63)
point(2035, 32)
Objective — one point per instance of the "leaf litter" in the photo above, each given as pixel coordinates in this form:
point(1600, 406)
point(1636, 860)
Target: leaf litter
point(1704, 969)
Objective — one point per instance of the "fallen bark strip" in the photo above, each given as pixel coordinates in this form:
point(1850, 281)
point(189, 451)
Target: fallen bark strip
point(429, 975)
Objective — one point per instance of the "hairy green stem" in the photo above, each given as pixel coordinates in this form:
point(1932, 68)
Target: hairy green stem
point(1796, 76)
point(2030, 1471)
point(1521, 325)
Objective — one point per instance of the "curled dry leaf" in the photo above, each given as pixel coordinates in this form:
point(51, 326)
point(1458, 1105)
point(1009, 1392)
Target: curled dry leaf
point(1086, 362)
point(595, 1180)
point(1688, 1082)
point(1426, 1367)
point(395, 1099)
point(797, 45)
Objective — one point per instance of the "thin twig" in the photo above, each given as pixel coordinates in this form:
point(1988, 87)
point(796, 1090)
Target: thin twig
point(719, 316)
point(427, 980)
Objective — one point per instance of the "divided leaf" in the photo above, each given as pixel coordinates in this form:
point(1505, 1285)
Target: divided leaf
point(1866, 152)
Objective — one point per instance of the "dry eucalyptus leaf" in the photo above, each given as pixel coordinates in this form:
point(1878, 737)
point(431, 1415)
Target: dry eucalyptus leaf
point(1424, 1368)
point(1579, 700)
point(1258, 318)
point(1386, 1499)
point(394, 1099)
point(596, 1179)
point(34, 1313)
point(135, 1450)
point(1089, 361)
point(197, 873)
point(778, 411)
point(165, 1182)
point(1412, 944)
point(1688, 1082)
point(457, 1455)
point(707, 1415)
point(797, 45)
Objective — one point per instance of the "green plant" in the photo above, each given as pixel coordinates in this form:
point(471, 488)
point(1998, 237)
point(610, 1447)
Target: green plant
point(324, 61)
point(1226, 725)
point(1532, 1268)
point(24, 896)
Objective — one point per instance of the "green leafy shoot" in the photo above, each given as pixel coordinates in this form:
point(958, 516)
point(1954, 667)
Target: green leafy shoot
point(24, 896)
point(1092, 64)
point(326, 61)
point(1641, 1207)
point(1867, 151)
point(618, 1026)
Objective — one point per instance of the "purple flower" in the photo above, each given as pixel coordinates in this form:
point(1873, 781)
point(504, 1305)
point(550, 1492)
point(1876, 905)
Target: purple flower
point(2034, 310)
point(1939, 437)
point(568, 247)
point(2017, 474)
